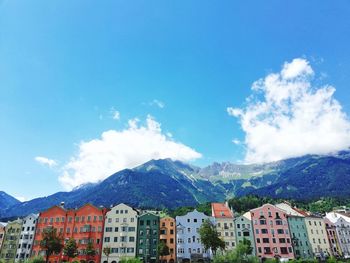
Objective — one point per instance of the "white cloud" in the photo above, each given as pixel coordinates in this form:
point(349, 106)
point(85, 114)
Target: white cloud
point(45, 161)
point(116, 150)
point(287, 116)
point(157, 103)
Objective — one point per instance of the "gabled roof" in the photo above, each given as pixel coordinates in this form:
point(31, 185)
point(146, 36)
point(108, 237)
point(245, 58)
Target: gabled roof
point(220, 210)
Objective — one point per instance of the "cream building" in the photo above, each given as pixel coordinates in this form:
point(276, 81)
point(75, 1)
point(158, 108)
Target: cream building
point(224, 223)
point(120, 233)
point(316, 230)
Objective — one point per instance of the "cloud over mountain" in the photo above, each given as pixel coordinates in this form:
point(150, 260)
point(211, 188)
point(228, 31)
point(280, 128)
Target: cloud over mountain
point(287, 116)
point(117, 150)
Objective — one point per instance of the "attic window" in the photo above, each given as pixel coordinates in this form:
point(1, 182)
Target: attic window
point(222, 213)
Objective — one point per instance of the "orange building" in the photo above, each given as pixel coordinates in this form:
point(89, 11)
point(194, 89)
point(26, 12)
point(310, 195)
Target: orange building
point(168, 236)
point(85, 225)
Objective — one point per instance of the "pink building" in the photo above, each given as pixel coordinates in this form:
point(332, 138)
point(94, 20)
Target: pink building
point(271, 231)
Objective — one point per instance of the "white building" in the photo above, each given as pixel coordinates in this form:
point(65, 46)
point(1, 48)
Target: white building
point(189, 246)
point(26, 238)
point(342, 224)
point(120, 233)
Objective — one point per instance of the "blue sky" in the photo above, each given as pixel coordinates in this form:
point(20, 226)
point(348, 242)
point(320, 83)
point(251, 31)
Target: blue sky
point(66, 65)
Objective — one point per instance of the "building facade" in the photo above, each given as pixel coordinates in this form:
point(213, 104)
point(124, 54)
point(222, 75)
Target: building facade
point(167, 234)
point(120, 233)
point(244, 230)
point(26, 240)
point(271, 232)
point(84, 224)
point(9, 247)
point(341, 221)
point(300, 239)
point(333, 240)
point(188, 244)
point(148, 237)
point(316, 230)
point(2, 233)
point(224, 223)
point(54, 217)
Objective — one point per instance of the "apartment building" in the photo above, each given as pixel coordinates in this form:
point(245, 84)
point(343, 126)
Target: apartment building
point(341, 221)
point(2, 233)
point(26, 240)
point(271, 232)
point(84, 224)
point(9, 246)
point(335, 248)
point(244, 230)
point(148, 237)
point(120, 233)
point(316, 230)
point(167, 234)
point(223, 218)
point(300, 239)
point(188, 244)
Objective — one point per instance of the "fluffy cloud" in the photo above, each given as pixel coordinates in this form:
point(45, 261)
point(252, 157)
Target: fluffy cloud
point(45, 161)
point(286, 116)
point(117, 150)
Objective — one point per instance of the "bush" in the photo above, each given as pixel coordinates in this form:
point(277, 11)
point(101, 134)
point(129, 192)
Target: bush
point(130, 260)
point(36, 260)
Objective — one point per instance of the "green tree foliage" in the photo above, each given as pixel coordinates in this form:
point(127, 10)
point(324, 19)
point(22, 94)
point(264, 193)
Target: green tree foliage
point(90, 250)
point(107, 252)
point(130, 260)
point(240, 254)
point(71, 249)
point(210, 237)
point(36, 260)
point(181, 211)
point(51, 242)
point(163, 249)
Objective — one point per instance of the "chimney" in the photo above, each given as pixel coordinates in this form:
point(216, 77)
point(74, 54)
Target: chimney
point(62, 204)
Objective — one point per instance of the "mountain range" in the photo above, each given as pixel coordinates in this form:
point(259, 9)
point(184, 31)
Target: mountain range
point(169, 184)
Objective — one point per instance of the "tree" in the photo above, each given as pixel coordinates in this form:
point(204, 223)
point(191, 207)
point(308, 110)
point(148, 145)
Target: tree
point(90, 250)
point(107, 252)
point(71, 248)
point(36, 260)
point(240, 254)
point(210, 237)
point(51, 242)
point(163, 249)
point(130, 260)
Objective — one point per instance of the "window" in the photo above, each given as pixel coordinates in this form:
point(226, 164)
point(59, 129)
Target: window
point(284, 250)
point(264, 231)
point(107, 239)
point(266, 240)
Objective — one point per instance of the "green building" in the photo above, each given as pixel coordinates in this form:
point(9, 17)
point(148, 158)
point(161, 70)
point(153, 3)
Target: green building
point(244, 230)
point(9, 246)
point(300, 239)
point(148, 237)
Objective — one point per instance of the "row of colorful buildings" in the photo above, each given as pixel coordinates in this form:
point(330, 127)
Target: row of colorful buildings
point(274, 231)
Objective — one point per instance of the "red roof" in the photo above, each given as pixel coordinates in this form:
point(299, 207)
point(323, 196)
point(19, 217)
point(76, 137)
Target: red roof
point(220, 210)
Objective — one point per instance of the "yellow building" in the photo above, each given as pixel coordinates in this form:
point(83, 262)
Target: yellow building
point(317, 234)
point(225, 226)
